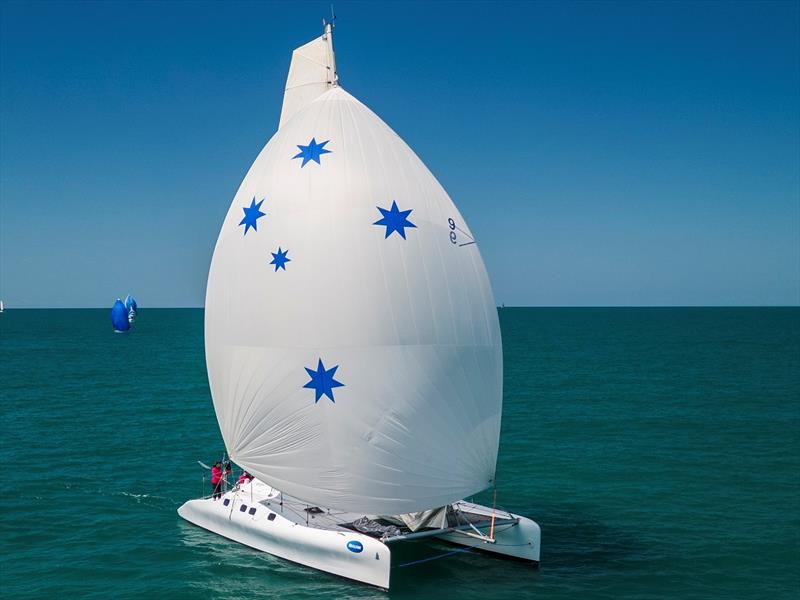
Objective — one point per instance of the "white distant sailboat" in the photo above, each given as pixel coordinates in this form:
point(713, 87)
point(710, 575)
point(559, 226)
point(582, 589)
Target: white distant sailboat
point(353, 347)
point(2, 306)
point(131, 307)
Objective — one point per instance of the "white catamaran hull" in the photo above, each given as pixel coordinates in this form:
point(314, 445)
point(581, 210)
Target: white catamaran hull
point(345, 553)
point(258, 516)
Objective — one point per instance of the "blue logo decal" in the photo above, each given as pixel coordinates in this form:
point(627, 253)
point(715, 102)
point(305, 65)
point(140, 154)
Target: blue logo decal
point(355, 546)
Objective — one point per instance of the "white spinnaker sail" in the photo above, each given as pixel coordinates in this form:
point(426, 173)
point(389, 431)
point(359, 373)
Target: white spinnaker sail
point(312, 72)
point(404, 313)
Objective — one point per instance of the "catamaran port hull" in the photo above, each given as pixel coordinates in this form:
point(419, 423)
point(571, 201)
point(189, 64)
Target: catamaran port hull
point(348, 554)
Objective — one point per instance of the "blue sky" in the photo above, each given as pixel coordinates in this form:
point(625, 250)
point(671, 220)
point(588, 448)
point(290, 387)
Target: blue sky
point(603, 153)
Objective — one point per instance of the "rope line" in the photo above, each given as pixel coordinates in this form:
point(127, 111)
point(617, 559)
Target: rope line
point(430, 558)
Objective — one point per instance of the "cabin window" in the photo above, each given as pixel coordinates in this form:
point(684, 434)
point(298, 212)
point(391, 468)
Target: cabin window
point(226, 502)
point(253, 510)
point(271, 517)
point(243, 508)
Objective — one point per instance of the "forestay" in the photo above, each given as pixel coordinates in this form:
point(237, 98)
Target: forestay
point(352, 338)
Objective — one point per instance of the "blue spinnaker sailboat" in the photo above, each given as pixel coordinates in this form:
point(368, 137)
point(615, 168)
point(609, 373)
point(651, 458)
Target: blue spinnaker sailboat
point(119, 316)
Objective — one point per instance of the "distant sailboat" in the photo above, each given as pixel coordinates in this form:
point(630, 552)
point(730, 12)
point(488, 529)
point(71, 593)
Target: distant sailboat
point(360, 379)
point(131, 307)
point(2, 306)
point(119, 317)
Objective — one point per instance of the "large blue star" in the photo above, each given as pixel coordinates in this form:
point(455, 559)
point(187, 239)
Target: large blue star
point(251, 215)
point(279, 259)
point(311, 152)
point(395, 220)
point(322, 381)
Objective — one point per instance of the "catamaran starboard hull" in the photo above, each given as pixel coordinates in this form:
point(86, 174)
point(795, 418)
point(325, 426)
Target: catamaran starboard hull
point(520, 540)
point(347, 554)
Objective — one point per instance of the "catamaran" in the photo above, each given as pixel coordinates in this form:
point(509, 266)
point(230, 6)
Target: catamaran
point(353, 347)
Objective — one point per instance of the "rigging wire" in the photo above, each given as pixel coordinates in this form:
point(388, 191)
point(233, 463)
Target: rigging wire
point(494, 505)
point(430, 558)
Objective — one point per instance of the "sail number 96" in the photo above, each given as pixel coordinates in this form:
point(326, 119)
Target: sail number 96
point(454, 237)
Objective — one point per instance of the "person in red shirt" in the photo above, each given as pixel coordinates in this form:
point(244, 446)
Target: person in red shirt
point(244, 477)
point(216, 480)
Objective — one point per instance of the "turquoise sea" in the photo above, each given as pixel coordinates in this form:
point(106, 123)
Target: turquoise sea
point(659, 449)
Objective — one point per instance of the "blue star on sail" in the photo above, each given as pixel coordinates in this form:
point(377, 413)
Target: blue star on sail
point(311, 152)
point(322, 381)
point(394, 219)
point(279, 259)
point(251, 216)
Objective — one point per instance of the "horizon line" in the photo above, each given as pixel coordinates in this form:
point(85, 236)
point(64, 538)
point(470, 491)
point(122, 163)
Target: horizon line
point(499, 307)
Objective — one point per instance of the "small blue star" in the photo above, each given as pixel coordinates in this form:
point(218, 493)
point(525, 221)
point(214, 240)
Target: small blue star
point(395, 220)
point(311, 152)
point(322, 381)
point(251, 215)
point(279, 259)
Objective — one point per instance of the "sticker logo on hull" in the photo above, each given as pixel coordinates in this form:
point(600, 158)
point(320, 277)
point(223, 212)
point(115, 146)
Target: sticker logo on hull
point(355, 546)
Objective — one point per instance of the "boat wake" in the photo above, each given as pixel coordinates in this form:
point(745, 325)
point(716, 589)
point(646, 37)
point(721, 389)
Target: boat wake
point(150, 499)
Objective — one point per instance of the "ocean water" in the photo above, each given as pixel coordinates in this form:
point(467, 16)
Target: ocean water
point(659, 449)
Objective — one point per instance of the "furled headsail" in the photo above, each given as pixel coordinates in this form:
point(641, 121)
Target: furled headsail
point(352, 339)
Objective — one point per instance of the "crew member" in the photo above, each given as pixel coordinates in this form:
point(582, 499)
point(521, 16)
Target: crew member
point(216, 480)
